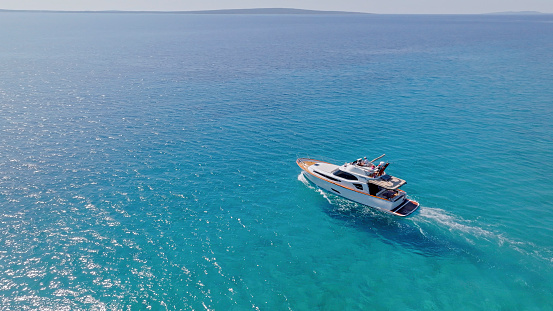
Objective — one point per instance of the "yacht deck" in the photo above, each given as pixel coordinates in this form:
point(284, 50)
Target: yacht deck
point(392, 184)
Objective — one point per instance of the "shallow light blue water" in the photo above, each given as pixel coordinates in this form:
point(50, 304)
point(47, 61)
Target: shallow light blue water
point(148, 161)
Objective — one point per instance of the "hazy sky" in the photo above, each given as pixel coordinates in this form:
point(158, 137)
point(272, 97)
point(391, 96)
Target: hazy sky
point(371, 6)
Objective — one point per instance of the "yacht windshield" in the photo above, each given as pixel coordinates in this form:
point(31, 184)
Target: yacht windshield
point(344, 175)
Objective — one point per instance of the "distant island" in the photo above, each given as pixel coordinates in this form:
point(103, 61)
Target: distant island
point(269, 11)
point(517, 13)
point(265, 11)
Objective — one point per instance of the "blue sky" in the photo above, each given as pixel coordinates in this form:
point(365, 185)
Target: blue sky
point(371, 6)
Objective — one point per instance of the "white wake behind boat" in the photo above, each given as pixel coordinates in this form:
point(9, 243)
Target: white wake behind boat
point(361, 181)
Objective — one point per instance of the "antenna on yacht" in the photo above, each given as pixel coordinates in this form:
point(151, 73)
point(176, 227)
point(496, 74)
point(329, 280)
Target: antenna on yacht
point(377, 158)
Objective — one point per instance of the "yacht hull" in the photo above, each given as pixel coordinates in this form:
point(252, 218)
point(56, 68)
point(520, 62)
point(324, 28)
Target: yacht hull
point(354, 191)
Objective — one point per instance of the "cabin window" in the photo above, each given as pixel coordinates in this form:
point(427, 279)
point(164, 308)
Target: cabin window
point(326, 176)
point(373, 189)
point(358, 186)
point(345, 175)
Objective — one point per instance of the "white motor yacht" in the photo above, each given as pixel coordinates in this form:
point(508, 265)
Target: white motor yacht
point(361, 181)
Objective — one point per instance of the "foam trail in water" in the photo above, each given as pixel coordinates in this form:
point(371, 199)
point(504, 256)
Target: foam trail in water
point(304, 180)
point(453, 223)
point(431, 216)
point(471, 233)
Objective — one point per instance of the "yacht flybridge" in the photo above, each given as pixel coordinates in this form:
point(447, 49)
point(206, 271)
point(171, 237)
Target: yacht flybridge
point(361, 181)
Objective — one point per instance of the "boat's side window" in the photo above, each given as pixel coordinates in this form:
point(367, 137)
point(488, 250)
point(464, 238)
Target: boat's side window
point(345, 175)
point(373, 189)
point(326, 176)
point(358, 186)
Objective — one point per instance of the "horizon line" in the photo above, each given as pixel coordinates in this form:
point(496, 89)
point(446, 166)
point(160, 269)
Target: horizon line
point(265, 11)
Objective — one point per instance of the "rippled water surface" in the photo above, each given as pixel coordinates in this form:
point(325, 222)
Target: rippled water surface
point(148, 161)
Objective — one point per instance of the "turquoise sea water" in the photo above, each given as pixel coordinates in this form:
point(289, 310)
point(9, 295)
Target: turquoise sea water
point(147, 161)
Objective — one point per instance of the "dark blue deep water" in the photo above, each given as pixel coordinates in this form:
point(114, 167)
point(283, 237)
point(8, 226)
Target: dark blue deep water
point(147, 161)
